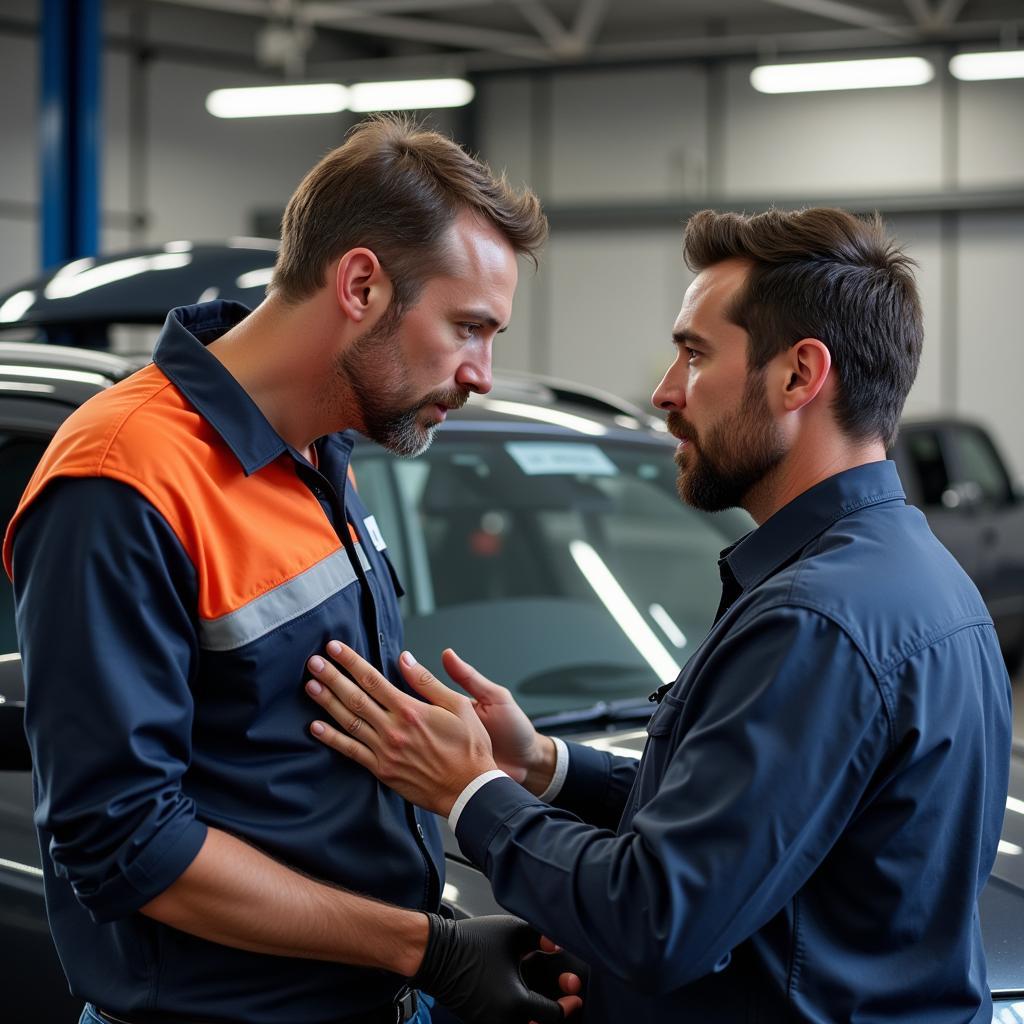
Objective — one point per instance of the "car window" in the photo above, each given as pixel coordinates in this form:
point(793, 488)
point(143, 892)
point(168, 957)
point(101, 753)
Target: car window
point(569, 571)
point(18, 457)
point(928, 464)
point(979, 466)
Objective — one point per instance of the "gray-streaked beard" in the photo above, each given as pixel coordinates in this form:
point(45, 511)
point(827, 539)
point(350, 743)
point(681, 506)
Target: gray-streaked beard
point(373, 372)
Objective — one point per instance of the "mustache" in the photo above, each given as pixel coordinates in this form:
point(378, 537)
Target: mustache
point(678, 427)
point(453, 398)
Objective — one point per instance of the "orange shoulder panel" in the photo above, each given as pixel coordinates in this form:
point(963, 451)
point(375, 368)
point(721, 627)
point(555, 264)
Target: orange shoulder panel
point(245, 535)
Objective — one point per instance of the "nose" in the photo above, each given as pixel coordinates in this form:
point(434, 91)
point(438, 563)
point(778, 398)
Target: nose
point(670, 394)
point(474, 372)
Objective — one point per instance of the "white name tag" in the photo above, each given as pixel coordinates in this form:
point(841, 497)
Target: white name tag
point(374, 531)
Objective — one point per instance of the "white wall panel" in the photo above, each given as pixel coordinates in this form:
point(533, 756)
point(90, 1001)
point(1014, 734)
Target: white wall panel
point(504, 128)
point(830, 143)
point(19, 102)
point(921, 238)
point(990, 359)
point(615, 298)
point(991, 121)
point(628, 135)
point(19, 251)
point(206, 176)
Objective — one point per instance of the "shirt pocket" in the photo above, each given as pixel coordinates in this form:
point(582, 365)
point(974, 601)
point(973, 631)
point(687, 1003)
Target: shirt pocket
point(664, 719)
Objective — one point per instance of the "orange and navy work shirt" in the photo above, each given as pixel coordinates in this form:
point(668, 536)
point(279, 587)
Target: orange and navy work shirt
point(175, 564)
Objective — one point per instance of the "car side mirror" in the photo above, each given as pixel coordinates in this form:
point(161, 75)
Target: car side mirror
point(14, 751)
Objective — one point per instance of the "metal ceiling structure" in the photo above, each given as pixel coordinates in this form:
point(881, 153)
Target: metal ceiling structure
point(431, 37)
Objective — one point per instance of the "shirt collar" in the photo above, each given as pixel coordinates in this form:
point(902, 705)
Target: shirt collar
point(753, 558)
point(204, 380)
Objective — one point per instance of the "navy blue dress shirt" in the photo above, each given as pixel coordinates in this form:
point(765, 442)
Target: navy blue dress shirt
point(819, 801)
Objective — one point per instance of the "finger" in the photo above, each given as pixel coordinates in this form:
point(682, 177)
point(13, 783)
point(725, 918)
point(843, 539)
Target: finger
point(473, 682)
point(424, 682)
point(570, 983)
point(365, 676)
point(548, 945)
point(570, 1004)
point(351, 748)
point(345, 702)
point(545, 1011)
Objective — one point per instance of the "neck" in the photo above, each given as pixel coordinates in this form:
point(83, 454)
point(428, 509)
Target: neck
point(283, 356)
point(804, 466)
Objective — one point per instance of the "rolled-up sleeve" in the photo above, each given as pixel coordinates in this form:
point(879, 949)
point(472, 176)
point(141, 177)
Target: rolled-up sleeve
point(105, 598)
point(749, 799)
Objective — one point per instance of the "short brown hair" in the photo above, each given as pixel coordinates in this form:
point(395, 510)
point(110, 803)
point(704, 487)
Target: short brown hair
point(824, 273)
point(395, 188)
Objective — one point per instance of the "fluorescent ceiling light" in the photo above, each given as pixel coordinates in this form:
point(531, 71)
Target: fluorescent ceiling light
point(427, 94)
point(882, 73)
point(979, 67)
point(278, 100)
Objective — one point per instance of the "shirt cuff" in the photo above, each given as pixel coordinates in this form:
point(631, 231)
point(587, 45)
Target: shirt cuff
point(561, 770)
point(468, 793)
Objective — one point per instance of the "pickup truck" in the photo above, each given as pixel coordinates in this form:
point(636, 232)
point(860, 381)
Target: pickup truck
point(953, 471)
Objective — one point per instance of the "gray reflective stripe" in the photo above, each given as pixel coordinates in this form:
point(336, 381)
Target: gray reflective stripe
point(282, 604)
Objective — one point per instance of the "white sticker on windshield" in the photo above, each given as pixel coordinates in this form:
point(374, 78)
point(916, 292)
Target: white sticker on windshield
point(550, 458)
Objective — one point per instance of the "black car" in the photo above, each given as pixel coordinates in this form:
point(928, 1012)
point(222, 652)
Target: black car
point(542, 510)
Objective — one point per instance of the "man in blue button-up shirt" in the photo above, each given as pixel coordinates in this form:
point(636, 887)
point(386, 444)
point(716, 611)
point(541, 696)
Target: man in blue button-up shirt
point(820, 798)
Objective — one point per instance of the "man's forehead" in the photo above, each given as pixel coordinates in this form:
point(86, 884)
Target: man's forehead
point(712, 291)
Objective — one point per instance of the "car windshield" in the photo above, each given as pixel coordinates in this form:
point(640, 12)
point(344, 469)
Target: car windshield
point(568, 570)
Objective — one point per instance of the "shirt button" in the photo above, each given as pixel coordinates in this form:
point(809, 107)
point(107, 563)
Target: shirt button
point(380, 637)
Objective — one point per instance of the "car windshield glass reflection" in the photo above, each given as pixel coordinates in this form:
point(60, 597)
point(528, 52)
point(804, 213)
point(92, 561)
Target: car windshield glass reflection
point(568, 570)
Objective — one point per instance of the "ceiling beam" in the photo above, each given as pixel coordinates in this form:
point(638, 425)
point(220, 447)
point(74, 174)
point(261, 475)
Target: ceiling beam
point(551, 31)
point(839, 10)
point(589, 18)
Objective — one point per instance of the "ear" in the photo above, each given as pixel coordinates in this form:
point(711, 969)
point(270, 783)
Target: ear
point(362, 289)
point(806, 366)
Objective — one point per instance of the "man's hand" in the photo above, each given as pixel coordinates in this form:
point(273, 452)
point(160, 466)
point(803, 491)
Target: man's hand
point(521, 751)
point(426, 752)
point(472, 967)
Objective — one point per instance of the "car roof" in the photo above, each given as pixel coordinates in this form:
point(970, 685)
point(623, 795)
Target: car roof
point(141, 285)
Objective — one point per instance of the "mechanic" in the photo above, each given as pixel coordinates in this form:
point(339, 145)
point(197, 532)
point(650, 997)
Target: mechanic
point(189, 539)
point(819, 801)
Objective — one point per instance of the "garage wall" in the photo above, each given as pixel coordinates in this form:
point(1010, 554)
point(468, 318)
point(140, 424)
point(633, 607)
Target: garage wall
point(602, 305)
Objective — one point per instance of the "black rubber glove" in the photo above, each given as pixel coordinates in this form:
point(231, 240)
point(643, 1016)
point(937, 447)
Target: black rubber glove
point(541, 972)
point(471, 967)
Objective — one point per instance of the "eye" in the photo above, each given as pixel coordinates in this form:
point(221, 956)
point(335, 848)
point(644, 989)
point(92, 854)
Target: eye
point(469, 330)
point(691, 354)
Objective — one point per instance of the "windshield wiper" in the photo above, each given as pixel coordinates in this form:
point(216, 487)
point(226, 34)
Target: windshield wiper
point(604, 712)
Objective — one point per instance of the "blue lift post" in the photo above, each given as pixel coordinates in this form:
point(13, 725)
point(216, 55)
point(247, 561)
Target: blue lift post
point(70, 129)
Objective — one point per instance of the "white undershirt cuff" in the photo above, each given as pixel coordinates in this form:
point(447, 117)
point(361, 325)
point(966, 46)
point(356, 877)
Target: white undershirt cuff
point(469, 792)
point(561, 770)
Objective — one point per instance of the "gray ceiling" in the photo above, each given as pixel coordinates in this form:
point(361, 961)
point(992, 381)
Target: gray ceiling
point(377, 38)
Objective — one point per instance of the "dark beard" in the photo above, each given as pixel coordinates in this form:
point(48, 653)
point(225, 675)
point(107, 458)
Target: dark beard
point(375, 378)
point(737, 454)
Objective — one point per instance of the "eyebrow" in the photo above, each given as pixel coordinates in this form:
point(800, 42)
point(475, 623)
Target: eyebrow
point(681, 337)
point(484, 318)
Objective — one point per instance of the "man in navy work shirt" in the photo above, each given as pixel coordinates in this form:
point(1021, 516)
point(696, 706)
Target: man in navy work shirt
point(189, 539)
point(819, 801)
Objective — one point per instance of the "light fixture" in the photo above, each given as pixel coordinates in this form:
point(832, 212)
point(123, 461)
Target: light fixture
point(278, 100)
point(331, 98)
point(879, 73)
point(980, 67)
point(425, 94)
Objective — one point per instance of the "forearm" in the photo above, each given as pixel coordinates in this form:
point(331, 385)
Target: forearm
point(237, 896)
